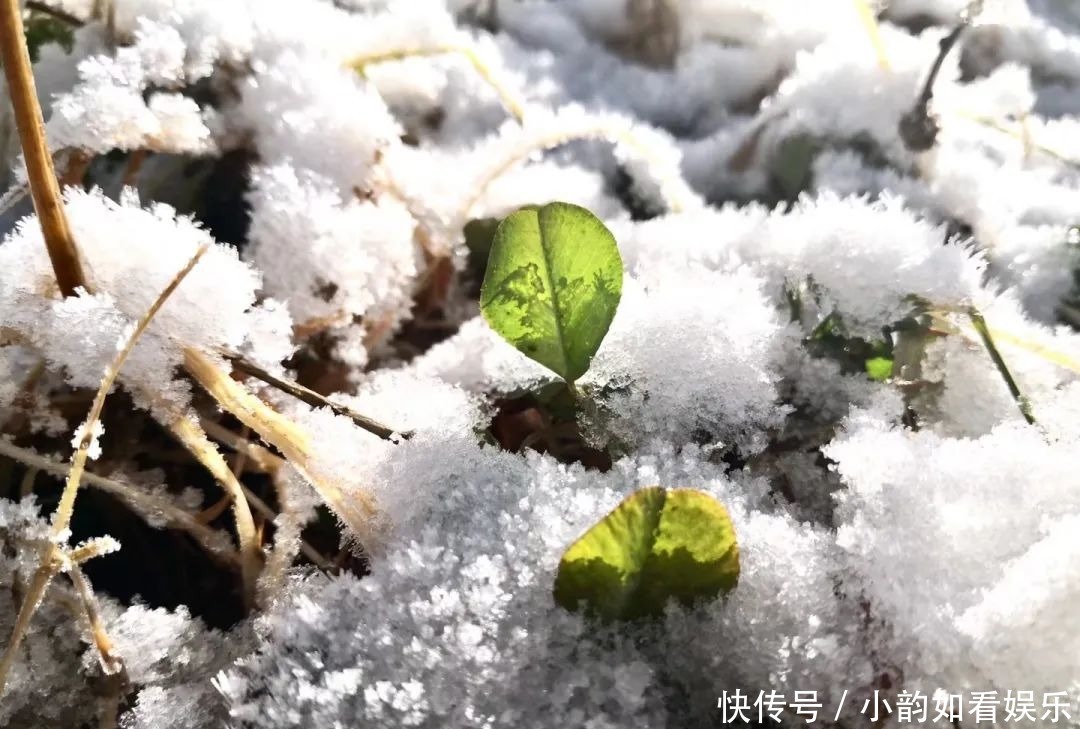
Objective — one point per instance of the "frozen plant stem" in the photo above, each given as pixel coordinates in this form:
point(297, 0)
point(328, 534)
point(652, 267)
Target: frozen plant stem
point(62, 517)
point(869, 22)
point(311, 397)
point(188, 432)
point(54, 556)
point(309, 551)
point(558, 139)
point(356, 510)
point(509, 99)
point(110, 662)
point(979, 323)
point(944, 46)
point(143, 503)
point(69, 274)
point(919, 127)
point(57, 13)
point(258, 457)
point(39, 167)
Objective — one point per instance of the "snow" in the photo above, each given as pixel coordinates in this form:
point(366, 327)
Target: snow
point(911, 534)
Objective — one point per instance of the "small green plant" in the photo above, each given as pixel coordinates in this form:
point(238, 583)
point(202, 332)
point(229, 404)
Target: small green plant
point(830, 340)
point(656, 545)
point(895, 354)
point(553, 282)
point(552, 285)
point(43, 28)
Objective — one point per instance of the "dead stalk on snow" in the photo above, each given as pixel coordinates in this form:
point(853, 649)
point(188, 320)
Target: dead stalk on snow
point(39, 165)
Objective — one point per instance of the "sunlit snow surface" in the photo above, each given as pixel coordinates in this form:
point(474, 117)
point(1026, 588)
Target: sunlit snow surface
point(877, 557)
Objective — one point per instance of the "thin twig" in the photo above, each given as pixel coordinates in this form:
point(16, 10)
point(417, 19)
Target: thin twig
point(309, 327)
point(1022, 402)
point(62, 517)
point(12, 196)
point(259, 456)
point(215, 510)
point(309, 551)
point(147, 505)
point(944, 46)
point(110, 662)
point(27, 486)
point(57, 13)
point(194, 438)
point(311, 397)
point(288, 437)
point(51, 554)
point(31, 599)
point(357, 509)
point(870, 24)
point(919, 127)
point(509, 100)
point(92, 548)
point(39, 165)
point(626, 138)
point(1024, 135)
point(239, 461)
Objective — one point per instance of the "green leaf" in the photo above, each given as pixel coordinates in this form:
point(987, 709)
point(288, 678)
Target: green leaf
point(792, 164)
point(40, 29)
point(553, 282)
point(656, 545)
point(879, 368)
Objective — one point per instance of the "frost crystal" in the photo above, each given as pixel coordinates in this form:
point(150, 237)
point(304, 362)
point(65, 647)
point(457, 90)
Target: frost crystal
point(799, 336)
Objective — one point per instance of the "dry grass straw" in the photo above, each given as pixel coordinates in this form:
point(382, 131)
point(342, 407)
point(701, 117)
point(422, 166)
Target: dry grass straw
point(39, 165)
point(509, 99)
point(55, 557)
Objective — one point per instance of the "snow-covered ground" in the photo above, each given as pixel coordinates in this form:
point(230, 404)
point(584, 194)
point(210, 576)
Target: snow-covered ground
point(901, 534)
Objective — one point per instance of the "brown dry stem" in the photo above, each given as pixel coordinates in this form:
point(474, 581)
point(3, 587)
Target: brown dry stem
point(39, 165)
point(151, 507)
point(357, 511)
point(53, 557)
point(509, 99)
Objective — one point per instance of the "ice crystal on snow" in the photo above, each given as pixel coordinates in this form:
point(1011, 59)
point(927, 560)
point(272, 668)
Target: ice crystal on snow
point(907, 531)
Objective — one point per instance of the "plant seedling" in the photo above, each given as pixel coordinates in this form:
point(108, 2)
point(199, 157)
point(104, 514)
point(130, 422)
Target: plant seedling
point(658, 544)
point(553, 282)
